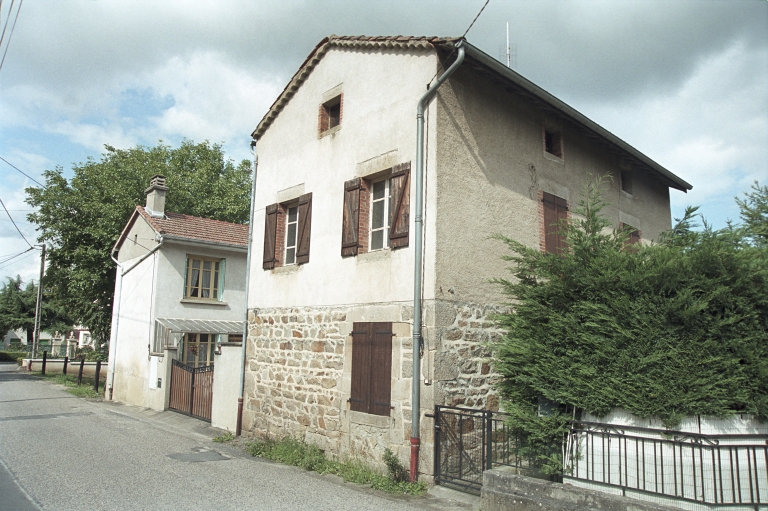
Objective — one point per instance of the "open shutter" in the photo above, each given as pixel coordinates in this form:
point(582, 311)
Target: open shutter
point(350, 225)
point(270, 236)
point(305, 228)
point(555, 212)
point(381, 369)
point(400, 208)
point(222, 268)
point(359, 398)
point(186, 274)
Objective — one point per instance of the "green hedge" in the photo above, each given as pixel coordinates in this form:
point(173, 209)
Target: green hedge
point(12, 356)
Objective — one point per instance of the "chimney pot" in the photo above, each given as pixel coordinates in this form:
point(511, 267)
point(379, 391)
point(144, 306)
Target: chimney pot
point(156, 196)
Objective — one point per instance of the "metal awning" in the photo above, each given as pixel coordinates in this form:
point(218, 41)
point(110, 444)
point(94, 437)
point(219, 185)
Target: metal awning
point(169, 331)
point(201, 326)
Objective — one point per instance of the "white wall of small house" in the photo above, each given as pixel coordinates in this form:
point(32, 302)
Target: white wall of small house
point(170, 302)
point(378, 130)
point(138, 240)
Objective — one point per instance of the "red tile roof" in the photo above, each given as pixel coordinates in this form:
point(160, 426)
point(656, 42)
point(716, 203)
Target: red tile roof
point(194, 228)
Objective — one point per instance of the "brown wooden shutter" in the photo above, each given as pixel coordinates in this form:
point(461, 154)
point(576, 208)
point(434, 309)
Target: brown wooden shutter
point(400, 209)
point(381, 369)
point(555, 211)
point(304, 228)
point(350, 225)
point(270, 236)
point(361, 357)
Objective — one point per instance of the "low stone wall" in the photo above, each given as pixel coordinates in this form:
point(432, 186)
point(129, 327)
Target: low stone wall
point(503, 490)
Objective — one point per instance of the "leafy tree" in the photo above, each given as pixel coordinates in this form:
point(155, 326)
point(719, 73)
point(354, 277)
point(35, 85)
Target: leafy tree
point(754, 213)
point(17, 310)
point(673, 329)
point(81, 218)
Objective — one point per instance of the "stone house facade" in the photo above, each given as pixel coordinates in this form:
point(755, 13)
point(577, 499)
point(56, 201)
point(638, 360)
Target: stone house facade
point(179, 295)
point(330, 310)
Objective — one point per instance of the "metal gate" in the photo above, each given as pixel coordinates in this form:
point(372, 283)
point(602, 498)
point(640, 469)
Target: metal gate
point(192, 390)
point(469, 441)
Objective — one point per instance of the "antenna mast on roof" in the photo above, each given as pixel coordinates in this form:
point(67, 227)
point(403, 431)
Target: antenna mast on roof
point(508, 44)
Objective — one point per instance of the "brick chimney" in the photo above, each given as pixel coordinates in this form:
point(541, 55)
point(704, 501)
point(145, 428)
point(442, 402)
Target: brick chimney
point(156, 196)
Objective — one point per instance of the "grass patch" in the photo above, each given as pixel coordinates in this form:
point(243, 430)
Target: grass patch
point(69, 381)
point(290, 451)
point(226, 437)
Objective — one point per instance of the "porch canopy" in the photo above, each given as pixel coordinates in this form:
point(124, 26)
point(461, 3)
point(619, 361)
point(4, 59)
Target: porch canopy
point(169, 331)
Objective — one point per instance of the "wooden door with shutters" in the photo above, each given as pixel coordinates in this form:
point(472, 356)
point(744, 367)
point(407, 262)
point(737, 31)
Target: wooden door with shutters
point(371, 368)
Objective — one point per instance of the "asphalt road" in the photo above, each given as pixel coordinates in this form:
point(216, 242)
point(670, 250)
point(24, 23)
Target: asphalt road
point(59, 452)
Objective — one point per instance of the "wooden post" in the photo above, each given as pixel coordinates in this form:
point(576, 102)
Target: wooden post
point(96, 376)
point(66, 362)
point(45, 358)
point(80, 372)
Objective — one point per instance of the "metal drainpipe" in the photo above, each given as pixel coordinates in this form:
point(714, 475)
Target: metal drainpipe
point(116, 311)
point(419, 227)
point(239, 427)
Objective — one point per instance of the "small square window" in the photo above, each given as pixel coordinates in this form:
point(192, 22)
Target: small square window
point(330, 114)
point(626, 181)
point(553, 143)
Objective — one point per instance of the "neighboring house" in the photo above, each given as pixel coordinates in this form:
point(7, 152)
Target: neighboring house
point(329, 354)
point(179, 296)
point(19, 338)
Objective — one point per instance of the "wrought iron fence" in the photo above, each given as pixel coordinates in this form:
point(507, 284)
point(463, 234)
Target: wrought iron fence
point(726, 470)
point(469, 441)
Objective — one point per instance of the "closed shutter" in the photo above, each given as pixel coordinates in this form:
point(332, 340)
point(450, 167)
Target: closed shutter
point(399, 211)
point(186, 274)
point(350, 224)
point(222, 269)
point(304, 228)
point(361, 358)
point(555, 212)
point(381, 369)
point(270, 236)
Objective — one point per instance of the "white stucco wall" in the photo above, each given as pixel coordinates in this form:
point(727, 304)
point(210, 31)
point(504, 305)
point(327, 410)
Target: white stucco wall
point(380, 94)
point(226, 384)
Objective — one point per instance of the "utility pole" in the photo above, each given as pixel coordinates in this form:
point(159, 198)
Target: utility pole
point(39, 305)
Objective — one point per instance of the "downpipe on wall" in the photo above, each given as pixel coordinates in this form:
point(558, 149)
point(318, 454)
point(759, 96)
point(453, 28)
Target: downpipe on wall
point(417, 273)
point(239, 427)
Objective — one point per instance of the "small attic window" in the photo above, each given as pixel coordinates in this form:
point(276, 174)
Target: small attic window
point(626, 181)
point(553, 143)
point(330, 114)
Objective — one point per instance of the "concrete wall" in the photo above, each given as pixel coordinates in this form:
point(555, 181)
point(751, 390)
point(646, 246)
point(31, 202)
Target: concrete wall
point(56, 366)
point(226, 384)
point(492, 167)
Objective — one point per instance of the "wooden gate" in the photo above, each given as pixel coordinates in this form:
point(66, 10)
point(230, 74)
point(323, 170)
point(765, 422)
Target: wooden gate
point(192, 390)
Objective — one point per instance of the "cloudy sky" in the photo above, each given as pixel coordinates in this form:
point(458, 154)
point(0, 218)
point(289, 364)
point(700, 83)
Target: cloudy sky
point(685, 82)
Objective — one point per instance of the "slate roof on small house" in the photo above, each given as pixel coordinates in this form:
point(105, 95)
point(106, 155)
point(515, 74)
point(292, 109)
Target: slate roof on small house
point(179, 226)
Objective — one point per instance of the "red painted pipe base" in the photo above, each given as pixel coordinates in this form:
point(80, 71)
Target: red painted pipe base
point(414, 459)
point(239, 427)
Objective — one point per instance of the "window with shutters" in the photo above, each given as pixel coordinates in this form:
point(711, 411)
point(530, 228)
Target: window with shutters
point(204, 278)
point(371, 368)
point(555, 213)
point(287, 233)
point(376, 212)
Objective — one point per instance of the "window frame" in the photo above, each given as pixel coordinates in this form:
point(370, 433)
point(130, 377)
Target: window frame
point(553, 142)
point(288, 223)
point(387, 201)
point(329, 116)
point(215, 288)
point(211, 341)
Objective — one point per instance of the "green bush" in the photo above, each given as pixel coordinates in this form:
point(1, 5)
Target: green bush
point(12, 356)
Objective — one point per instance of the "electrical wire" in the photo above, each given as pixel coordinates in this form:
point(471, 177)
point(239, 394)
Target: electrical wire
point(15, 256)
point(17, 168)
point(14, 224)
point(8, 42)
point(470, 25)
point(16, 261)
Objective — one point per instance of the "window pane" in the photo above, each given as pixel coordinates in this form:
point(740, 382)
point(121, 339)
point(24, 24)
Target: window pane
point(377, 218)
point(206, 291)
point(194, 285)
point(207, 265)
point(377, 240)
point(379, 189)
point(195, 263)
point(290, 256)
point(293, 214)
point(291, 240)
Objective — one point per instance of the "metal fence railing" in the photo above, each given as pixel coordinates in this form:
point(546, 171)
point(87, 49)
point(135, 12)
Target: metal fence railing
point(725, 470)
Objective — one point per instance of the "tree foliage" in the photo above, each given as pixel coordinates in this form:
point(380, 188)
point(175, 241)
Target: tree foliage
point(81, 218)
point(673, 329)
point(17, 310)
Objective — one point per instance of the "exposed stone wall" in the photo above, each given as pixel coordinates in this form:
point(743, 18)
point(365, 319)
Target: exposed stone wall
point(463, 373)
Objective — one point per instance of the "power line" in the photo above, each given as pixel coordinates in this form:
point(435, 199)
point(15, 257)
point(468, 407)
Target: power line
point(4, 265)
point(8, 42)
point(14, 224)
point(17, 168)
point(473, 21)
point(15, 256)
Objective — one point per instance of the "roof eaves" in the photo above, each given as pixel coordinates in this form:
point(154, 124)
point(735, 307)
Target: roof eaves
point(496, 66)
point(199, 241)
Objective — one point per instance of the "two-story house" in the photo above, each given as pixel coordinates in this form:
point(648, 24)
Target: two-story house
point(330, 347)
point(178, 311)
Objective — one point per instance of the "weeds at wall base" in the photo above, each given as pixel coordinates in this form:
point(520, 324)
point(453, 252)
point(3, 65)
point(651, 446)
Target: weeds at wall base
point(290, 451)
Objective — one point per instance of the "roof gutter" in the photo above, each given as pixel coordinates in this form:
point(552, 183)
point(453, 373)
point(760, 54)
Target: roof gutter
point(548, 98)
point(417, 271)
point(239, 427)
point(195, 241)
